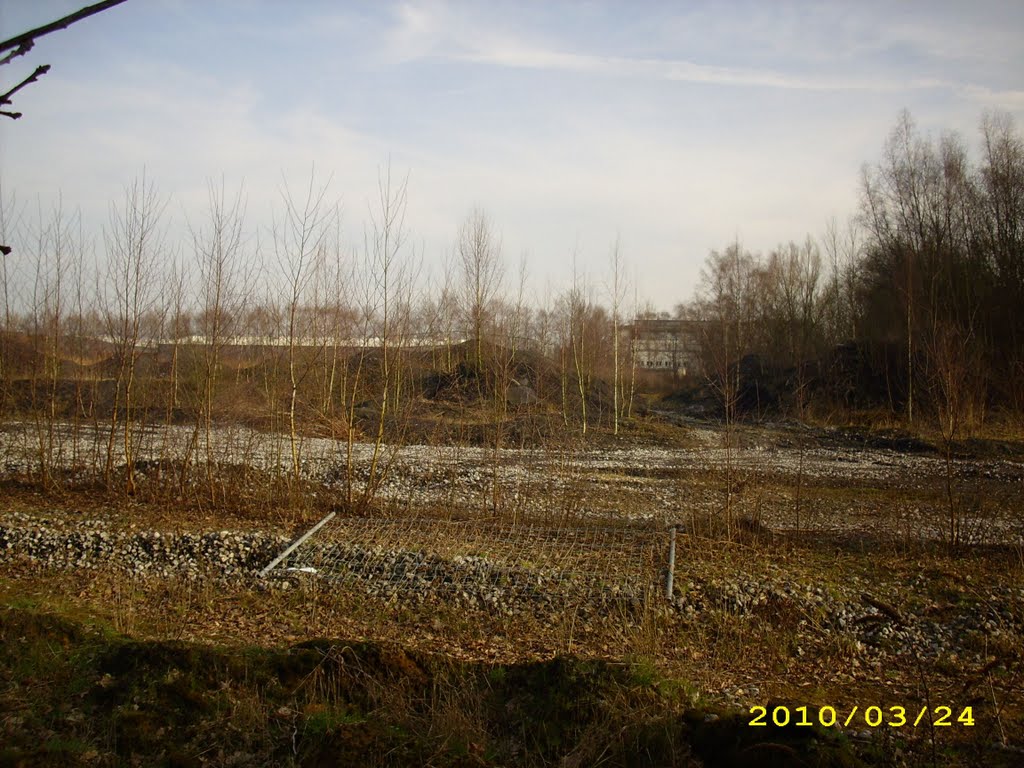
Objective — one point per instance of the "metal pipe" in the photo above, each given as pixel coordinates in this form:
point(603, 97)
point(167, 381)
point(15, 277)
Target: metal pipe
point(296, 544)
point(670, 578)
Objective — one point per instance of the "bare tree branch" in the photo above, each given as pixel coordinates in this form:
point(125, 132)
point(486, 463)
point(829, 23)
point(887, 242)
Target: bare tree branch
point(6, 98)
point(22, 49)
point(26, 40)
point(24, 43)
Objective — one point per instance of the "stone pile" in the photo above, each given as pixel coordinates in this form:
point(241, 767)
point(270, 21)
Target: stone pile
point(926, 630)
point(902, 622)
point(224, 553)
point(389, 574)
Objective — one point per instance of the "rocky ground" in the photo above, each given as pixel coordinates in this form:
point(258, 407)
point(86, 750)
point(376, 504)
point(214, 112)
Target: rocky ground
point(873, 619)
point(658, 484)
point(840, 588)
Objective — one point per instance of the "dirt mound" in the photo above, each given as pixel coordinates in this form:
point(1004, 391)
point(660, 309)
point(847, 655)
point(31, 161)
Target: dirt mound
point(100, 698)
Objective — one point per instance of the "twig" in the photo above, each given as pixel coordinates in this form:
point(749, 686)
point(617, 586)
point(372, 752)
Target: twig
point(24, 43)
point(998, 710)
point(6, 98)
point(22, 49)
point(885, 608)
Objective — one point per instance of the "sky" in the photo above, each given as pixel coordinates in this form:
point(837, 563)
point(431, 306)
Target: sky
point(673, 128)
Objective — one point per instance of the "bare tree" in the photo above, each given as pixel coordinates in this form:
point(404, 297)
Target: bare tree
point(8, 223)
point(50, 259)
point(578, 306)
point(385, 242)
point(843, 249)
point(225, 281)
point(1000, 183)
point(635, 313)
point(340, 320)
point(617, 290)
point(511, 326)
point(134, 249)
point(793, 309)
point(727, 291)
point(447, 312)
point(952, 361)
point(923, 214)
point(177, 326)
point(81, 405)
point(298, 247)
point(894, 207)
point(585, 343)
point(479, 251)
point(793, 300)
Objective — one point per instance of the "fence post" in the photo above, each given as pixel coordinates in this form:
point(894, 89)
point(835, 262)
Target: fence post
point(671, 563)
point(296, 544)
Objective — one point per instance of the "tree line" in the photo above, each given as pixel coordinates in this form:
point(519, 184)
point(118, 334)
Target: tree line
point(289, 330)
point(914, 306)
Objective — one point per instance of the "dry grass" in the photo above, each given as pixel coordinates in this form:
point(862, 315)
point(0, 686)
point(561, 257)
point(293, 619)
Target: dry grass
point(695, 661)
point(781, 650)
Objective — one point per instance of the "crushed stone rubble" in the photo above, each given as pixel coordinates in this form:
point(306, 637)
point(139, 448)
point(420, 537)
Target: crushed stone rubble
point(390, 574)
point(92, 544)
point(472, 580)
point(929, 630)
point(962, 627)
point(958, 627)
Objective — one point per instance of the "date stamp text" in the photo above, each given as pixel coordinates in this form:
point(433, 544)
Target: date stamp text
point(873, 716)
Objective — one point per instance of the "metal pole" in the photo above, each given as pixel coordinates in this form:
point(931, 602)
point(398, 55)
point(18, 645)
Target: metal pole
point(671, 563)
point(296, 544)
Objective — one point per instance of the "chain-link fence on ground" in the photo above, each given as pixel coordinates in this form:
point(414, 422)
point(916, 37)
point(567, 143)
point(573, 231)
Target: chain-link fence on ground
point(482, 562)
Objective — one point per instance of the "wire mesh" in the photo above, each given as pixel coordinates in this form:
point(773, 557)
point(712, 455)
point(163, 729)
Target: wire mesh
point(483, 563)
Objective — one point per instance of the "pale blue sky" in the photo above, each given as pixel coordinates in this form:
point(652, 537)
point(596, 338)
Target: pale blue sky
point(676, 126)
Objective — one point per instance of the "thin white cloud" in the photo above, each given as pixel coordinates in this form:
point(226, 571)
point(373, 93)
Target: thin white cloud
point(815, 34)
point(511, 55)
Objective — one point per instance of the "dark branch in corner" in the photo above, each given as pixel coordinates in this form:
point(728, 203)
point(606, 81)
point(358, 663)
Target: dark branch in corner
point(24, 43)
point(6, 98)
point(25, 40)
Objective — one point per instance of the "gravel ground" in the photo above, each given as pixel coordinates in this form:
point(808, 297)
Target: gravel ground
point(660, 485)
point(591, 566)
point(873, 620)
